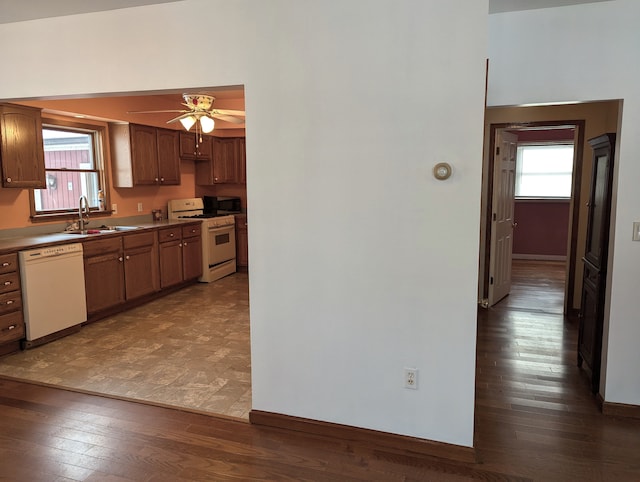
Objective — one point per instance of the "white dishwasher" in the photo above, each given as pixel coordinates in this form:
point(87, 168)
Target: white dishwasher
point(53, 295)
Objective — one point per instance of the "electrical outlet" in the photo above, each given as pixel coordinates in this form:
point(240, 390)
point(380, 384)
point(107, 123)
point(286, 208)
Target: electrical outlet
point(114, 209)
point(139, 207)
point(411, 378)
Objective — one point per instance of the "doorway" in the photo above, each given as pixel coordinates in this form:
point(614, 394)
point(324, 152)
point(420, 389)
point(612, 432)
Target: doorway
point(591, 119)
point(541, 219)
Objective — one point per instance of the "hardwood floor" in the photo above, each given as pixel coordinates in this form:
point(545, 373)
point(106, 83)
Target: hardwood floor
point(535, 420)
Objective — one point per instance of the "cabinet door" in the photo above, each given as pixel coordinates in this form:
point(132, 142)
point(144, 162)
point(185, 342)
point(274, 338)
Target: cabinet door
point(190, 149)
point(140, 272)
point(170, 263)
point(192, 257)
point(144, 154)
point(22, 151)
point(203, 151)
point(104, 281)
point(168, 156)
point(187, 145)
point(242, 242)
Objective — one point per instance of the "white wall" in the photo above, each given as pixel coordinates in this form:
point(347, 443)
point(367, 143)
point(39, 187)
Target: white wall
point(587, 52)
point(361, 263)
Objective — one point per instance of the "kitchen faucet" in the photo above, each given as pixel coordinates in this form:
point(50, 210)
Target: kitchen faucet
point(81, 219)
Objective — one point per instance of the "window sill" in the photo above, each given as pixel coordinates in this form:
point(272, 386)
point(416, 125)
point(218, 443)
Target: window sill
point(65, 216)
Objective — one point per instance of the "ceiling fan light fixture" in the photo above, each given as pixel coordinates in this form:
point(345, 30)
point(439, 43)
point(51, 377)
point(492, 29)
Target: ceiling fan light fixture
point(207, 124)
point(187, 122)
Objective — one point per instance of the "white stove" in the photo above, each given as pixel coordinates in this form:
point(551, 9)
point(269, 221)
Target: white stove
point(218, 237)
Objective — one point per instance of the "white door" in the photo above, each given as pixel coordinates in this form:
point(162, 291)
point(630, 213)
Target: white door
point(502, 222)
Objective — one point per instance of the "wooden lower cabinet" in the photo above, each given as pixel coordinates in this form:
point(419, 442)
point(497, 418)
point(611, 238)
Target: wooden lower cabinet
point(12, 328)
point(140, 264)
point(191, 252)
point(103, 274)
point(170, 263)
point(180, 254)
point(119, 269)
point(242, 242)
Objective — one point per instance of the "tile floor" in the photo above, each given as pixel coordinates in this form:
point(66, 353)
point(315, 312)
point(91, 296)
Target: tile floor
point(189, 349)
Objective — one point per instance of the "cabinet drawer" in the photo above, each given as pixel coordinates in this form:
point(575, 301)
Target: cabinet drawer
point(102, 246)
point(11, 327)
point(169, 234)
point(11, 301)
point(9, 282)
point(8, 262)
point(139, 239)
point(191, 231)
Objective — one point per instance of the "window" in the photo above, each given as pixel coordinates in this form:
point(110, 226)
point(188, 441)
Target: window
point(73, 158)
point(544, 170)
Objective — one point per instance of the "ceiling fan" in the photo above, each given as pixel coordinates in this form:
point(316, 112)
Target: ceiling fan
point(199, 111)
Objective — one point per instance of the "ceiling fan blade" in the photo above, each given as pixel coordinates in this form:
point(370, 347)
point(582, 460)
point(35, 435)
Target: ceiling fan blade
point(228, 112)
point(181, 116)
point(152, 111)
point(229, 118)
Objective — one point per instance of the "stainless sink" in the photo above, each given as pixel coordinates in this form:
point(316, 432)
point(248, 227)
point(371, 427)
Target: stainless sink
point(101, 230)
point(123, 228)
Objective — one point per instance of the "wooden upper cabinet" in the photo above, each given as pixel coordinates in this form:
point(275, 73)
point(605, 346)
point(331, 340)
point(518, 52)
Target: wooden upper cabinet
point(189, 149)
point(144, 155)
point(228, 165)
point(168, 156)
point(21, 151)
point(241, 160)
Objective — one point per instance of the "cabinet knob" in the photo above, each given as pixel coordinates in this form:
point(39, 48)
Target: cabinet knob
point(12, 327)
point(156, 179)
point(8, 179)
point(171, 235)
point(120, 258)
point(162, 179)
point(7, 283)
point(184, 244)
point(193, 230)
point(126, 257)
point(10, 302)
point(4, 265)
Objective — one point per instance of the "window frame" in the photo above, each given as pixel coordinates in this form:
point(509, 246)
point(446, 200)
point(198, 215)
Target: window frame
point(538, 144)
point(99, 133)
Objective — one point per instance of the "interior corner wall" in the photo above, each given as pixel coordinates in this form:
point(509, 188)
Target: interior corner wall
point(573, 64)
point(346, 290)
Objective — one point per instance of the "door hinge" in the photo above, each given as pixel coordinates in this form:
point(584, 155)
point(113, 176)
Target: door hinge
point(491, 280)
point(498, 151)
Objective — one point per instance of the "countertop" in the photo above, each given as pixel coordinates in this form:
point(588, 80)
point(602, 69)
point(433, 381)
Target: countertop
point(9, 245)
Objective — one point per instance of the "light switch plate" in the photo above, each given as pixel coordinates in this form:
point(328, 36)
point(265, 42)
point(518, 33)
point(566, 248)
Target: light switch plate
point(636, 231)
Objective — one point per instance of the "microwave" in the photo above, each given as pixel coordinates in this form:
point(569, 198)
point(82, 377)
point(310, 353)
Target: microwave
point(221, 205)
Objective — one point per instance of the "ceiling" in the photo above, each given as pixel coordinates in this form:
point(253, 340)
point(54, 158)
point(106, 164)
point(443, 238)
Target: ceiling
point(116, 108)
point(17, 11)
point(498, 6)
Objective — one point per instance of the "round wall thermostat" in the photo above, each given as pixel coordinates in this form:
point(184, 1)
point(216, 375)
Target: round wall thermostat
point(442, 171)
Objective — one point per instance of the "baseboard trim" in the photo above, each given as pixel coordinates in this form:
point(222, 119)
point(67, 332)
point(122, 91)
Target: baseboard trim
point(398, 444)
point(621, 410)
point(540, 257)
